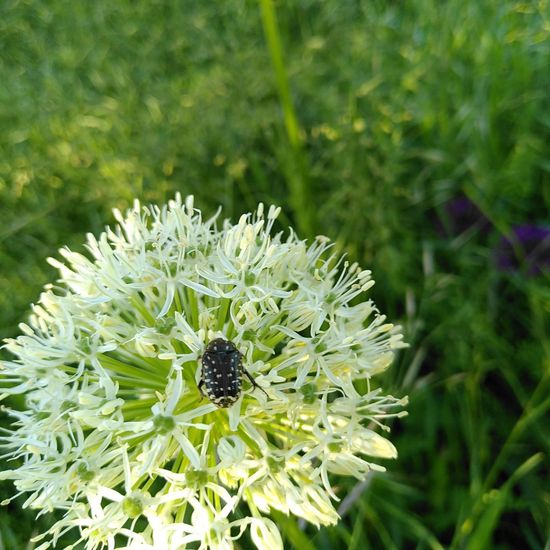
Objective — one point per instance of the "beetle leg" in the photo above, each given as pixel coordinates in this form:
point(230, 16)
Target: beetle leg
point(253, 382)
point(200, 386)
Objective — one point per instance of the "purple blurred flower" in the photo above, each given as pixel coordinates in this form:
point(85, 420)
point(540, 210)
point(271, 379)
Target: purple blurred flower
point(459, 215)
point(527, 248)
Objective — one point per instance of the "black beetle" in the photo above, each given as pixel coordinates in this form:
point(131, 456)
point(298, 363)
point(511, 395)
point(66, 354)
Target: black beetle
point(222, 372)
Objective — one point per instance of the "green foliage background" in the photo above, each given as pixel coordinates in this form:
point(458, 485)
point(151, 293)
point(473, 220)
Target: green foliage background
point(361, 119)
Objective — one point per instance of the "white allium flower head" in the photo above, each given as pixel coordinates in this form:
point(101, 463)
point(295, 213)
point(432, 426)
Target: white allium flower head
point(117, 433)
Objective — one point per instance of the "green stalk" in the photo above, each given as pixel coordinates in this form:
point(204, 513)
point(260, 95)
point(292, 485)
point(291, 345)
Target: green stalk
point(531, 412)
point(296, 171)
point(193, 308)
point(142, 375)
point(139, 305)
point(222, 312)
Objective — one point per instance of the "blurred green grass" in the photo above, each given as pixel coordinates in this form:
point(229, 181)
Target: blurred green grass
point(361, 119)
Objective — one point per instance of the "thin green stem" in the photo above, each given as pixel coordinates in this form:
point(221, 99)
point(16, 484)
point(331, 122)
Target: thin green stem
point(193, 308)
point(140, 306)
point(142, 375)
point(222, 312)
point(530, 413)
point(296, 171)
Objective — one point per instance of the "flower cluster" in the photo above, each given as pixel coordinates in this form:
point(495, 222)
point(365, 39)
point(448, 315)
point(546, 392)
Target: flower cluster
point(116, 433)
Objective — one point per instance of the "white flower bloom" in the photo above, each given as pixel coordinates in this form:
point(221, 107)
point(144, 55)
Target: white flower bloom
point(121, 375)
